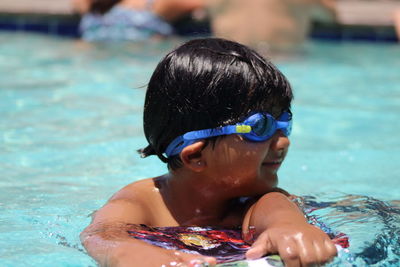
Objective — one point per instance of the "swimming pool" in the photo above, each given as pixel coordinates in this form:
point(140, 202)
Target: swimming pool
point(71, 122)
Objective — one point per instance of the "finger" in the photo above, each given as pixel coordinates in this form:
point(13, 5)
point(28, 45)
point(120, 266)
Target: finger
point(321, 255)
point(330, 250)
point(260, 247)
point(256, 251)
point(317, 252)
point(310, 253)
point(325, 251)
point(289, 254)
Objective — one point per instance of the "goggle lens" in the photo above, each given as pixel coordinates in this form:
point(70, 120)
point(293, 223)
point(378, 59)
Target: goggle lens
point(263, 126)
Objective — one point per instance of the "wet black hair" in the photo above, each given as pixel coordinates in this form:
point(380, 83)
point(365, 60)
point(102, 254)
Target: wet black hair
point(102, 6)
point(207, 83)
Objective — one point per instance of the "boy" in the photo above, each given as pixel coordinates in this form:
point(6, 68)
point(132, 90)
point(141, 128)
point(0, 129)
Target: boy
point(219, 115)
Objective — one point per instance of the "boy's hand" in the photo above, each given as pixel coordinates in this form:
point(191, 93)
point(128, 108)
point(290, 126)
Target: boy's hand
point(298, 245)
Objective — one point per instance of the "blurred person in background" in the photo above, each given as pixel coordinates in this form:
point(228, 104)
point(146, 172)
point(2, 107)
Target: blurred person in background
point(268, 25)
point(397, 22)
point(113, 20)
point(271, 25)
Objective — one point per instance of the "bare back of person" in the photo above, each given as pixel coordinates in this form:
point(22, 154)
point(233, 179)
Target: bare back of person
point(272, 24)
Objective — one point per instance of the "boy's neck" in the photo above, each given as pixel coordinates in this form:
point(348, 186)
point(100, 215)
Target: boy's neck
point(193, 200)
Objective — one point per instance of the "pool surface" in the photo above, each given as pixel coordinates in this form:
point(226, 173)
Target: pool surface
point(71, 121)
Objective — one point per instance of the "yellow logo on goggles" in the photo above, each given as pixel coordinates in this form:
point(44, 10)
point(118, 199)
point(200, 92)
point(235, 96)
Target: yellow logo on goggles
point(243, 128)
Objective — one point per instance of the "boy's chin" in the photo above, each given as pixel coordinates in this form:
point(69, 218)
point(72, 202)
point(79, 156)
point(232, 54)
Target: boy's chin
point(270, 177)
point(271, 181)
point(265, 187)
point(271, 167)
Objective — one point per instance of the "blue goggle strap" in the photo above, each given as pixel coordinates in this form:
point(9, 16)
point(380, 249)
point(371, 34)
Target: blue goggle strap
point(189, 138)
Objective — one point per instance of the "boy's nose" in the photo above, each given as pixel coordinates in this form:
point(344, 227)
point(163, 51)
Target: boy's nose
point(279, 141)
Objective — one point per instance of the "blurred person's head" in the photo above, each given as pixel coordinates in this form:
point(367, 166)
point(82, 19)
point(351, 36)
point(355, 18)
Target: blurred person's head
point(94, 6)
point(102, 6)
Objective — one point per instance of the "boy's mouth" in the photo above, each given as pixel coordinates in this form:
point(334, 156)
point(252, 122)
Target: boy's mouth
point(275, 164)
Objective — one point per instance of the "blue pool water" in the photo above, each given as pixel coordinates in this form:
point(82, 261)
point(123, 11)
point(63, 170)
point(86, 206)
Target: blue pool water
point(70, 122)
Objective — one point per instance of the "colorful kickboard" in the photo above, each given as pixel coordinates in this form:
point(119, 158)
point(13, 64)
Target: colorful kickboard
point(226, 245)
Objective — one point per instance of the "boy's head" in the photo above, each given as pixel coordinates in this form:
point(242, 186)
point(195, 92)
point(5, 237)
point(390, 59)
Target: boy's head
point(208, 83)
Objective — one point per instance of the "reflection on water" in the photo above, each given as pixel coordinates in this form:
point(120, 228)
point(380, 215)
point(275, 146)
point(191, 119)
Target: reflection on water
point(373, 227)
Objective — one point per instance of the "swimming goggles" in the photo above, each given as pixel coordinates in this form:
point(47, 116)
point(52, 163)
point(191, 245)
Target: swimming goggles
point(257, 127)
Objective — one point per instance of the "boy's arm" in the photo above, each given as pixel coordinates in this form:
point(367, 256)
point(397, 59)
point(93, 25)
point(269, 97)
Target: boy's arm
point(280, 227)
point(106, 239)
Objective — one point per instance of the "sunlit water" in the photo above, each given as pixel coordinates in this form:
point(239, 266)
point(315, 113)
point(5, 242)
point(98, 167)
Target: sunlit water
point(71, 120)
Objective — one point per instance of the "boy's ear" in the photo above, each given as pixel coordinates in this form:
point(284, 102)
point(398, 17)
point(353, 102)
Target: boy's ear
point(193, 158)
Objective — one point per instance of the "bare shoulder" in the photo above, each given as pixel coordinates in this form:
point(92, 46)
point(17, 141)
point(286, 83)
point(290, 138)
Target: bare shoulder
point(136, 191)
point(133, 204)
